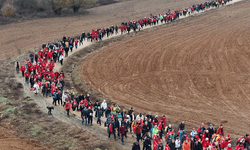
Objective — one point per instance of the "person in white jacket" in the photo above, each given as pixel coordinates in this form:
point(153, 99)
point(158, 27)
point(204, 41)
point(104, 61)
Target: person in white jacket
point(177, 143)
point(104, 105)
point(64, 97)
point(36, 88)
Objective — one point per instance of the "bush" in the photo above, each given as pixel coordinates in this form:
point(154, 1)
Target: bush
point(8, 10)
point(106, 2)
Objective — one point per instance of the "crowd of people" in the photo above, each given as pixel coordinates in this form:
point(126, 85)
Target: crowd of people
point(152, 131)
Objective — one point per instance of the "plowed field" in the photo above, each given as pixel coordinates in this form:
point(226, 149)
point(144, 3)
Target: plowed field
point(24, 36)
point(196, 71)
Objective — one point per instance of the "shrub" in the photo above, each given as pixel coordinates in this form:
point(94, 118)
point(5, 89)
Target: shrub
point(106, 2)
point(8, 10)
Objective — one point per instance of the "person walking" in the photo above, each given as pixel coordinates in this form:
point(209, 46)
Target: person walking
point(67, 107)
point(36, 88)
point(99, 115)
point(61, 59)
point(122, 131)
point(111, 128)
point(17, 67)
point(90, 116)
point(74, 106)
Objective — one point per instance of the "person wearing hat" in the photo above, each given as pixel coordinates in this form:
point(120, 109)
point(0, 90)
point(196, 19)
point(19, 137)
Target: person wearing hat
point(220, 130)
point(122, 131)
point(211, 131)
point(147, 143)
point(178, 143)
point(201, 128)
point(136, 146)
point(156, 141)
point(206, 143)
point(229, 147)
point(155, 130)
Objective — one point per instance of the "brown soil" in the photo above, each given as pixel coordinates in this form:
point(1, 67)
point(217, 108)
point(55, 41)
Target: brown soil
point(195, 71)
point(24, 36)
point(9, 141)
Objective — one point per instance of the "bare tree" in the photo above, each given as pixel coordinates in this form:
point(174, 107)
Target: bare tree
point(58, 5)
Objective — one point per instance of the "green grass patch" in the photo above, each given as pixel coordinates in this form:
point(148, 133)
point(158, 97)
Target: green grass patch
point(35, 130)
point(4, 100)
point(9, 109)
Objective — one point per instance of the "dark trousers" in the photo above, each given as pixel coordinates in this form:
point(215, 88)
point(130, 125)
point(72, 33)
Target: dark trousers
point(59, 101)
point(138, 137)
point(90, 119)
point(67, 112)
point(23, 73)
point(113, 133)
point(122, 136)
point(17, 70)
point(99, 120)
point(61, 61)
point(27, 80)
point(54, 101)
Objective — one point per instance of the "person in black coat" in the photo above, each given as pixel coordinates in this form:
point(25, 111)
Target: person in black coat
point(96, 105)
point(84, 115)
point(198, 145)
point(136, 146)
point(81, 97)
point(147, 143)
point(145, 128)
point(90, 115)
point(172, 145)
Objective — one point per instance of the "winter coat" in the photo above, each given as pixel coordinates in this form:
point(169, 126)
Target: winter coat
point(104, 105)
point(64, 97)
point(185, 146)
point(122, 130)
point(99, 113)
point(36, 88)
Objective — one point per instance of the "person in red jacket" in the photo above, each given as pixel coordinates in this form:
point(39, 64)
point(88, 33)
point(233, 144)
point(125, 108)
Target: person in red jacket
point(229, 147)
point(74, 106)
point(137, 131)
point(206, 143)
point(156, 141)
point(22, 69)
point(164, 120)
point(201, 128)
point(220, 130)
point(67, 107)
point(156, 121)
point(122, 131)
point(26, 75)
point(239, 146)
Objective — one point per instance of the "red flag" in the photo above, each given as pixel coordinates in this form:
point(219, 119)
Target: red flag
point(31, 89)
point(167, 147)
point(111, 127)
point(39, 83)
